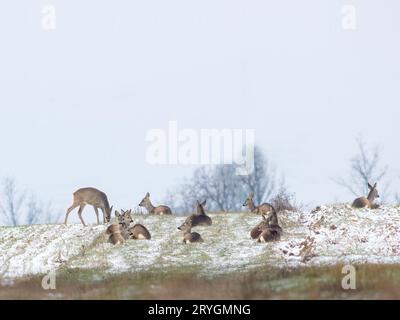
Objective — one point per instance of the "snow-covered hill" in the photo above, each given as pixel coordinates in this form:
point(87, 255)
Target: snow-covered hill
point(327, 236)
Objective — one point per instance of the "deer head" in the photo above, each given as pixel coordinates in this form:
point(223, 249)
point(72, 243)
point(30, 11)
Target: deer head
point(125, 217)
point(108, 214)
point(145, 201)
point(249, 200)
point(186, 226)
point(373, 192)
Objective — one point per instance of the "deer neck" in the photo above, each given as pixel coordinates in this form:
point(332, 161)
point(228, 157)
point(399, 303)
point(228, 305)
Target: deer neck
point(371, 197)
point(123, 225)
point(273, 219)
point(251, 206)
point(149, 206)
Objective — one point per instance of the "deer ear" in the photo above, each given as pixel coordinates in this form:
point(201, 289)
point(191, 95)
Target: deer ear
point(204, 203)
point(147, 195)
point(198, 202)
point(369, 186)
point(251, 195)
point(375, 184)
point(116, 213)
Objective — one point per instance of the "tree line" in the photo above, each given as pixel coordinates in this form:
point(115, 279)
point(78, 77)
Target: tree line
point(224, 190)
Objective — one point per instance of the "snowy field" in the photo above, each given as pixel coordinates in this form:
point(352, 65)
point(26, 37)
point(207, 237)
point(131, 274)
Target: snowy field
point(331, 235)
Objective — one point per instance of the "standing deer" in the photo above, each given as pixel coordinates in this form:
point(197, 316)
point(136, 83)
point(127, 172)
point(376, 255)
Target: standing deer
point(93, 197)
point(262, 208)
point(137, 232)
point(367, 202)
point(188, 235)
point(160, 210)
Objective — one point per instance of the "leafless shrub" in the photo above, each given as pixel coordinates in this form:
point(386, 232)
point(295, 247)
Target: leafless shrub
point(365, 167)
point(19, 207)
point(225, 191)
point(284, 200)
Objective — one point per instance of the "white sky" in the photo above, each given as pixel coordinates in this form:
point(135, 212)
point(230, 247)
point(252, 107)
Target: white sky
point(76, 102)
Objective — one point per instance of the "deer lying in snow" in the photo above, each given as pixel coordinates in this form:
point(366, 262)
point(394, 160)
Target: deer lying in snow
point(264, 208)
point(137, 232)
point(199, 218)
point(269, 233)
point(268, 229)
point(160, 210)
point(256, 231)
point(93, 197)
point(367, 202)
point(115, 234)
point(188, 235)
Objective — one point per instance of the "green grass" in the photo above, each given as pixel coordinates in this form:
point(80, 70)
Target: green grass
point(373, 282)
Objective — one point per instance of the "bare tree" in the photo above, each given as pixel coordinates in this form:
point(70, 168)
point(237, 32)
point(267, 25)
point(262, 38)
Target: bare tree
point(397, 198)
point(365, 167)
point(38, 212)
point(224, 190)
point(262, 182)
point(16, 207)
point(218, 184)
point(11, 204)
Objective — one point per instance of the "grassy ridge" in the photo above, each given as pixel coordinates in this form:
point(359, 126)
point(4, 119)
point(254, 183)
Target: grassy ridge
point(373, 282)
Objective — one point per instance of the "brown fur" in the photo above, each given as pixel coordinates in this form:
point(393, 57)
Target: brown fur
point(137, 232)
point(367, 202)
point(188, 235)
point(256, 231)
point(198, 219)
point(93, 197)
point(115, 234)
point(160, 210)
point(269, 229)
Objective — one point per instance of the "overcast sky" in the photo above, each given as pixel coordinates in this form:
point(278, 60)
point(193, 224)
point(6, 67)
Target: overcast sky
point(76, 102)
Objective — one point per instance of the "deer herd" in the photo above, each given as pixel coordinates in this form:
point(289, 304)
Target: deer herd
point(267, 230)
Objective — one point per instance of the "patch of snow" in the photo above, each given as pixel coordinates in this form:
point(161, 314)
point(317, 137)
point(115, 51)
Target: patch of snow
point(330, 235)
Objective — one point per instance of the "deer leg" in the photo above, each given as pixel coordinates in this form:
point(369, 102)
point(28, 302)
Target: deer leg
point(80, 214)
point(69, 211)
point(97, 214)
point(104, 214)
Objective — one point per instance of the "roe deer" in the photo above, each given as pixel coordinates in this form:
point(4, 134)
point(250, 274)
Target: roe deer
point(269, 234)
point(262, 208)
point(199, 218)
point(256, 231)
point(93, 197)
point(160, 210)
point(367, 202)
point(269, 231)
point(268, 228)
point(188, 235)
point(137, 232)
point(115, 234)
